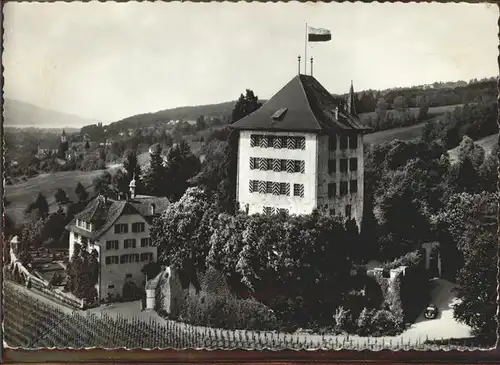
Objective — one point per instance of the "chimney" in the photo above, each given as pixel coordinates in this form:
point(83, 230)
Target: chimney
point(153, 207)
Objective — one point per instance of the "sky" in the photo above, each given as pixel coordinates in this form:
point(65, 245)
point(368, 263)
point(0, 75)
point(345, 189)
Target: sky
point(108, 61)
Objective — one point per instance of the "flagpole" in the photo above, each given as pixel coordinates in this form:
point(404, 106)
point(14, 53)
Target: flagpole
point(305, 58)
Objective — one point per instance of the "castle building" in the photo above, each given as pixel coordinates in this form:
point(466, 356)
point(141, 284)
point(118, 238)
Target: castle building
point(118, 231)
point(301, 151)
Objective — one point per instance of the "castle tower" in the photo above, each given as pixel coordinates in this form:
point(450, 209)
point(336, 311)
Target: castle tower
point(351, 101)
point(302, 151)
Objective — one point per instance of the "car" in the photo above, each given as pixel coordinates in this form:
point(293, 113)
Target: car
point(431, 312)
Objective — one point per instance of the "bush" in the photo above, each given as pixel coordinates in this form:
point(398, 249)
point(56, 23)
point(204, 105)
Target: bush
point(213, 281)
point(364, 322)
point(411, 259)
point(219, 311)
point(343, 320)
point(384, 323)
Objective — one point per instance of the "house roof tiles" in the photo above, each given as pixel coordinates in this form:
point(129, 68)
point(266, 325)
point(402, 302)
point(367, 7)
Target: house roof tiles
point(103, 213)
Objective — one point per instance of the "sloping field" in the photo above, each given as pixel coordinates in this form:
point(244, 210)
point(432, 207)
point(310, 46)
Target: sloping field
point(433, 111)
point(405, 133)
point(21, 194)
point(487, 143)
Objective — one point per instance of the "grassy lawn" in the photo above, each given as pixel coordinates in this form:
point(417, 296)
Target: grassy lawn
point(21, 194)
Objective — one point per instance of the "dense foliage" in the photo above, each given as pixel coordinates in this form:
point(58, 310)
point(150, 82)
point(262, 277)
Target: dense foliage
point(475, 120)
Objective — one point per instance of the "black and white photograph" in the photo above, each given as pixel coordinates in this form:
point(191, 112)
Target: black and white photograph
point(254, 176)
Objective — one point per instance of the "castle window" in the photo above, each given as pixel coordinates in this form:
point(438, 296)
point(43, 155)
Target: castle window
point(300, 143)
point(332, 166)
point(283, 165)
point(343, 142)
point(254, 186)
point(285, 189)
point(299, 166)
point(332, 143)
point(343, 188)
point(332, 212)
point(332, 190)
point(282, 211)
point(353, 142)
point(298, 190)
point(268, 210)
point(353, 186)
point(353, 164)
point(343, 165)
point(253, 163)
point(348, 212)
point(127, 276)
point(269, 187)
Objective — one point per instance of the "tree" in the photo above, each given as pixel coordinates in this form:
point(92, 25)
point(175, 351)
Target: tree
point(245, 105)
point(182, 232)
point(131, 166)
point(423, 107)
point(201, 123)
point(477, 280)
point(81, 193)
point(102, 184)
point(39, 206)
point(226, 190)
point(87, 145)
point(181, 166)
point(154, 178)
point(472, 151)
point(61, 196)
point(211, 173)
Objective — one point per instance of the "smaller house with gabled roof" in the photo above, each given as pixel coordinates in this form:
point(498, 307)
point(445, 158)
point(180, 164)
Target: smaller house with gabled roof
point(301, 151)
point(118, 230)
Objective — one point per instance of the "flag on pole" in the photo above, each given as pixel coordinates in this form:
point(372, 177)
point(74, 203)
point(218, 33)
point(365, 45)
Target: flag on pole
point(318, 35)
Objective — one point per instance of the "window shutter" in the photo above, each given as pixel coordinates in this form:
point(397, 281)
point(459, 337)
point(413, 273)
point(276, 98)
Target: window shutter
point(290, 166)
point(278, 142)
point(290, 143)
point(276, 165)
point(262, 187)
point(263, 141)
point(276, 188)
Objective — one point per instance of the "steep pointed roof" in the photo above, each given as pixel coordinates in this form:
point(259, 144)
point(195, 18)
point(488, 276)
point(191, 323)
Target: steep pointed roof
point(351, 104)
point(301, 105)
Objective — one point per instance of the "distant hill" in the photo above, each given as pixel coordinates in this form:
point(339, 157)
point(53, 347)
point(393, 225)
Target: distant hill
point(439, 94)
point(22, 115)
point(222, 111)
